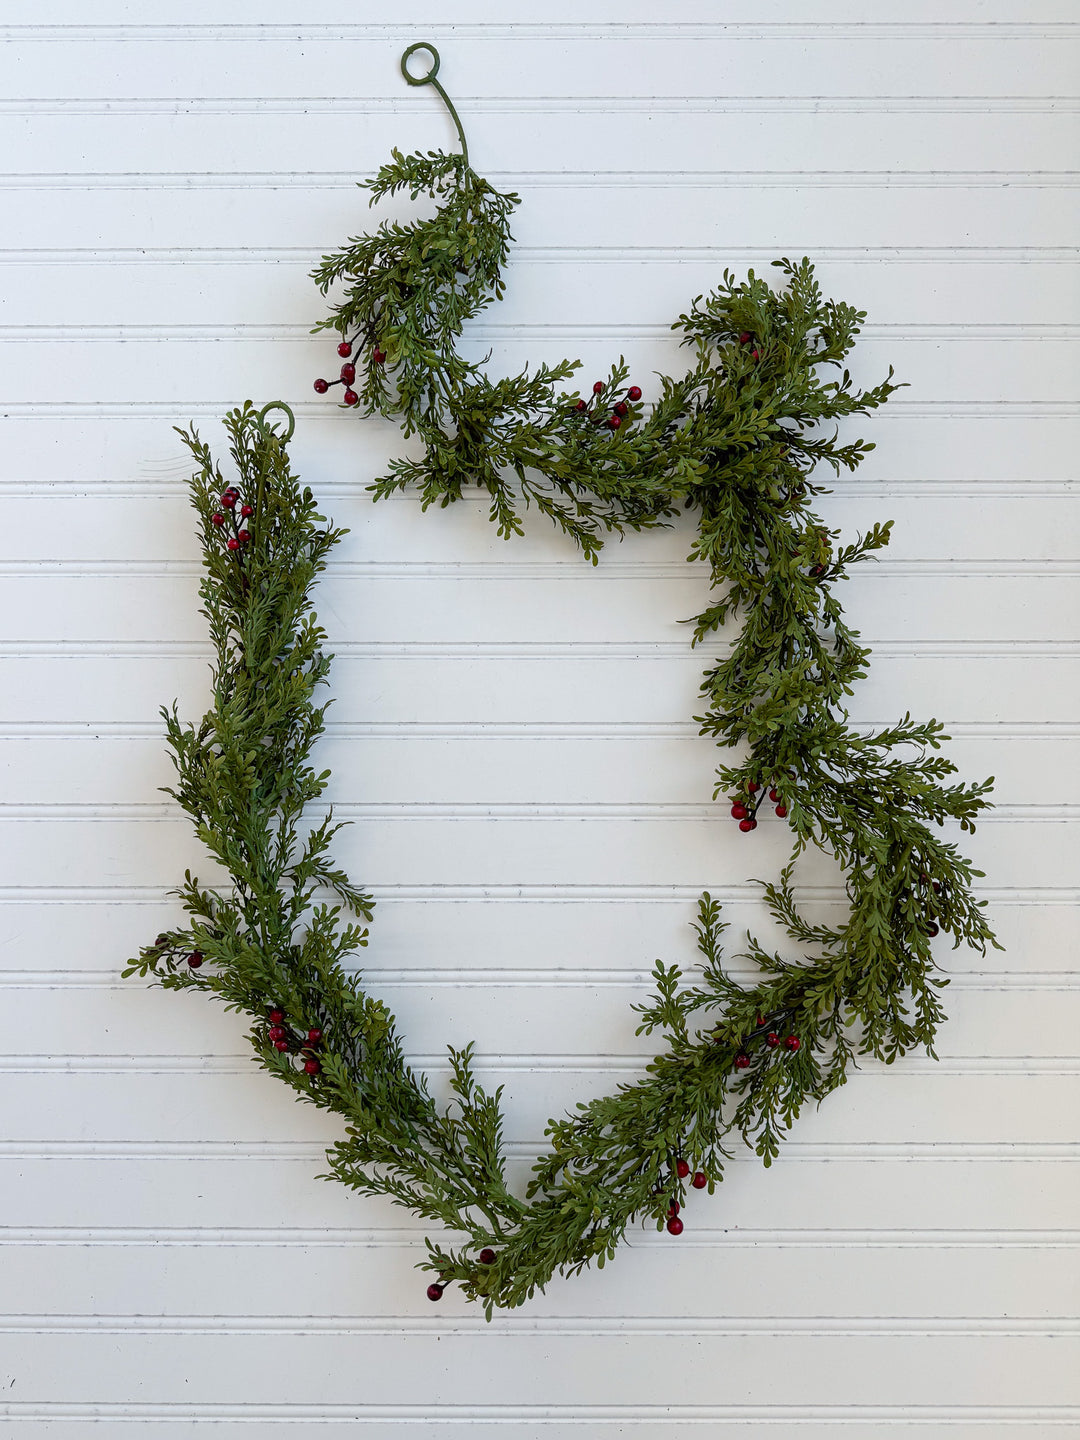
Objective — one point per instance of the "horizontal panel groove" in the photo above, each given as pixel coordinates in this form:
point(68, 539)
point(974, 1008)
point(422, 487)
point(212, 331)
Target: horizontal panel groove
point(568, 30)
point(518, 1063)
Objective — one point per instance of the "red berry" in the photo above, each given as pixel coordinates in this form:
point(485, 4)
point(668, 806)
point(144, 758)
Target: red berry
point(924, 879)
point(598, 388)
point(753, 787)
point(755, 355)
point(931, 930)
point(314, 1035)
point(581, 405)
point(276, 1016)
point(622, 410)
point(936, 887)
point(781, 810)
point(772, 1039)
point(675, 1226)
point(247, 510)
point(793, 1042)
point(218, 518)
point(350, 397)
point(378, 356)
point(195, 959)
point(744, 337)
point(321, 387)
point(741, 1061)
point(613, 422)
point(243, 536)
point(673, 1209)
point(311, 1066)
point(738, 811)
point(682, 1169)
point(344, 349)
point(634, 393)
point(277, 1032)
point(774, 795)
point(746, 826)
point(487, 1256)
point(434, 1292)
point(228, 499)
point(233, 544)
point(700, 1180)
point(281, 1044)
point(348, 373)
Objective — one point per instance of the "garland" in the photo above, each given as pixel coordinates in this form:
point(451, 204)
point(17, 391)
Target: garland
point(734, 442)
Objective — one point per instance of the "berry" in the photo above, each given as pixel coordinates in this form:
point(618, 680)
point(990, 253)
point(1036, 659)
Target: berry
point(924, 879)
point(755, 355)
point(228, 499)
point(281, 1044)
point(781, 810)
point(760, 1021)
point(700, 1180)
point(581, 405)
point(218, 518)
point(344, 349)
point(772, 1039)
point(321, 387)
point(753, 824)
point(793, 1042)
point(673, 1209)
point(738, 811)
point(487, 1256)
point(233, 544)
point(311, 1066)
point(744, 825)
point(931, 930)
point(277, 1032)
point(682, 1169)
point(936, 887)
point(348, 373)
point(675, 1226)
point(246, 510)
point(434, 1292)
point(741, 1061)
point(276, 1016)
point(622, 409)
point(195, 959)
point(613, 422)
point(598, 388)
point(161, 940)
point(744, 337)
point(753, 787)
point(314, 1035)
point(634, 393)
point(774, 795)
point(243, 536)
point(350, 397)
point(378, 356)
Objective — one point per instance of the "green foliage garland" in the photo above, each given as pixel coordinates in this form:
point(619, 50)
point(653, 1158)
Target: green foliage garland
point(734, 442)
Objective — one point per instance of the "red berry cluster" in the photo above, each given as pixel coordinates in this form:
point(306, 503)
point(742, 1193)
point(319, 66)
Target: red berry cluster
point(435, 1290)
point(746, 339)
point(229, 516)
point(280, 1037)
point(772, 1039)
point(699, 1180)
point(745, 810)
point(348, 372)
point(619, 411)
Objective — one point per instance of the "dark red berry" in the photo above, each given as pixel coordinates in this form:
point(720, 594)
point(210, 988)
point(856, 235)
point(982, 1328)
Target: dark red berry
point(936, 887)
point(195, 959)
point(321, 387)
point(276, 1016)
point(675, 1226)
point(673, 1209)
point(161, 940)
point(434, 1292)
point(344, 349)
point(793, 1042)
point(613, 422)
point(348, 373)
point(741, 1061)
point(753, 787)
point(700, 1180)
point(314, 1035)
point(598, 388)
point(581, 405)
point(772, 1039)
point(738, 811)
point(218, 518)
point(243, 536)
point(228, 499)
point(487, 1256)
point(281, 1044)
point(744, 337)
point(378, 356)
point(634, 393)
point(311, 1066)
point(755, 355)
point(682, 1169)
point(931, 929)
point(774, 795)
point(781, 810)
point(817, 572)
point(233, 544)
point(246, 510)
point(622, 410)
point(277, 1032)
point(924, 879)
point(746, 826)
point(350, 397)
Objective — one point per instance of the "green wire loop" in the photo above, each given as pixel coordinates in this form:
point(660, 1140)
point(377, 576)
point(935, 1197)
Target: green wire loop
point(429, 79)
point(277, 405)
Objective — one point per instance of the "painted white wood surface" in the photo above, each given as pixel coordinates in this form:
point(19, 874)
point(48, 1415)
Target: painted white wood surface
point(512, 736)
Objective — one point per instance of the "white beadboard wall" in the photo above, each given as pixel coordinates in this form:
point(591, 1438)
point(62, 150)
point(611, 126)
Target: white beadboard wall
point(512, 735)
